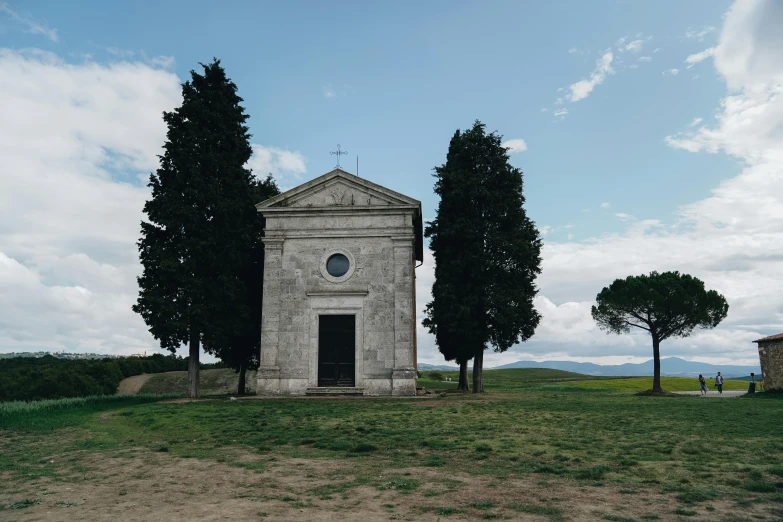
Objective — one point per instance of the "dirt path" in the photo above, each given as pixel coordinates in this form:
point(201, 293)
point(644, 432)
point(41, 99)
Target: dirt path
point(713, 393)
point(143, 485)
point(133, 384)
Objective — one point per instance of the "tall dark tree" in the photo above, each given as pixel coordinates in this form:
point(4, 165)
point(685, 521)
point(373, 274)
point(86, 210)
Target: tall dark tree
point(665, 305)
point(487, 254)
point(241, 349)
point(200, 220)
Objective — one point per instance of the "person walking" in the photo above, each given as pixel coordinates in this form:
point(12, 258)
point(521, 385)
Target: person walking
point(702, 385)
point(719, 383)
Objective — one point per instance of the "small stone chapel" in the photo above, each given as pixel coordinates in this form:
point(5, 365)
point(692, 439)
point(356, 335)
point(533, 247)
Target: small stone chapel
point(339, 304)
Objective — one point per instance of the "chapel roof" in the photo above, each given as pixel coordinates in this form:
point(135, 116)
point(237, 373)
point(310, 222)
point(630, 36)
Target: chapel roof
point(776, 337)
point(390, 198)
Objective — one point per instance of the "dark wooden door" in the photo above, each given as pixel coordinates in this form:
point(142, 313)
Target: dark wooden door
point(336, 350)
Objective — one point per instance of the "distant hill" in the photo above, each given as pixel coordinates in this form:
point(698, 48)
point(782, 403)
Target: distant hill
point(424, 367)
point(61, 355)
point(670, 366)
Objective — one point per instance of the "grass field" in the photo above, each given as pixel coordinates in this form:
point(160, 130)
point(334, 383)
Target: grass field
point(515, 378)
point(224, 381)
point(212, 382)
point(532, 447)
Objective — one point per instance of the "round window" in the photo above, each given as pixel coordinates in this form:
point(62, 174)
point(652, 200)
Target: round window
point(337, 265)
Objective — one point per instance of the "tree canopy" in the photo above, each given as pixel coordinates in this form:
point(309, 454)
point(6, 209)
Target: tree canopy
point(666, 305)
point(241, 349)
point(201, 222)
point(487, 253)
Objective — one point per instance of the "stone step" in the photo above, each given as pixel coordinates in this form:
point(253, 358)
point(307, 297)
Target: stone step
point(334, 390)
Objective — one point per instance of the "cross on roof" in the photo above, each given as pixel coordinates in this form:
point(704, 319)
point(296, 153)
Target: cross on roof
point(338, 153)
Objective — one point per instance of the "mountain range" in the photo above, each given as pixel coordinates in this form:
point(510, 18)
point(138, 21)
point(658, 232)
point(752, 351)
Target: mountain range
point(670, 366)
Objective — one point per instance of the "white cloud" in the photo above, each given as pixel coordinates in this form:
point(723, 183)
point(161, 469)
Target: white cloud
point(329, 91)
point(561, 113)
point(515, 146)
point(732, 240)
point(656, 50)
point(671, 72)
point(120, 53)
point(644, 59)
point(699, 34)
point(604, 205)
point(634, 46)
point(72, 243)
point(286, 166)
point(165, 62)
point(574, 50)
point(624, 217)
point(749, 57)
point(71, 201)
point(695, 121)
point(547, 230)
point(693, 59)
point(29, 24)
point(582, 89)
point(749, 52)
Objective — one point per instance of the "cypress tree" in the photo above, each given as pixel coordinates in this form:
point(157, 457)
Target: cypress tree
point(487, 254)
point(241, 349)
point(201, 222)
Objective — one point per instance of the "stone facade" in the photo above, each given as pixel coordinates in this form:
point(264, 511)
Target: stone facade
point(379, 231)
point(771, 358)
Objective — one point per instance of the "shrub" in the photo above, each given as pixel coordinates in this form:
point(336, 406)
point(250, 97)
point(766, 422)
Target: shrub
point(594, 473)
point(364, 448)
point(435, 461)
point(760, 487)
point(36, 378)
point(435, 376)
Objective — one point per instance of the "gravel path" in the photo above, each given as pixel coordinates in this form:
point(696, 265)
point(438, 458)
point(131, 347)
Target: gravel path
point(133, 384)
point(714, 393)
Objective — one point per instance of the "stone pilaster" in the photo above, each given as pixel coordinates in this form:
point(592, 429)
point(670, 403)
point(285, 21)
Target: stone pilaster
point(269, 369)
point(404, 372)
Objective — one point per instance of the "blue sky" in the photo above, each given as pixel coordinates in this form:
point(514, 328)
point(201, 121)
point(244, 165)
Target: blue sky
point(406, 75)
point(391, 82)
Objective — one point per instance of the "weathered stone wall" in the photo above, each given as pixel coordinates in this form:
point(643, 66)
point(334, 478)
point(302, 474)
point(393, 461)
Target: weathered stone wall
point(380, 240)
point(771, 357)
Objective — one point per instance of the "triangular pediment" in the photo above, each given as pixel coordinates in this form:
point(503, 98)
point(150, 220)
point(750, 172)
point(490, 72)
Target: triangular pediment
point(338, 188)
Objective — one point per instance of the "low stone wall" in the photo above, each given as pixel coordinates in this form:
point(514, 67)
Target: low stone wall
point(771, 357)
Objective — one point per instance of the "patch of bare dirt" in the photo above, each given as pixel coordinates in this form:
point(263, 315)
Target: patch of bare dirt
point(336, 397)
point(133, 384)
point(184, 400)
point(656, 393)
point(146, 485)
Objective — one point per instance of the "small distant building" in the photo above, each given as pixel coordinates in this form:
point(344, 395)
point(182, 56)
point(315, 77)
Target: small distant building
point(771, 357)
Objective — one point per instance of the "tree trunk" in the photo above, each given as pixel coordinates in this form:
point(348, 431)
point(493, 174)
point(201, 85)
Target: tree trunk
point(463, 377)
point(478, 372)
point(242, 371)
point(656, 364)
point(195, 349)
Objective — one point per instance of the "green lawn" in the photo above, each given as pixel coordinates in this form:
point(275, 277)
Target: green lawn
point(592, 433)
point(516, 378)
point(522, 375)
point(674, 384)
